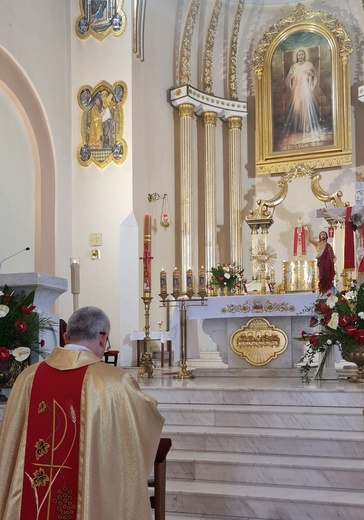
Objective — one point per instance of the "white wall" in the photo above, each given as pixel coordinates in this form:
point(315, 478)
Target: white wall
point(17, 186)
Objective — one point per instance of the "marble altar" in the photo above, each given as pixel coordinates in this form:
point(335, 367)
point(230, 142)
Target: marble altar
point(222, 315)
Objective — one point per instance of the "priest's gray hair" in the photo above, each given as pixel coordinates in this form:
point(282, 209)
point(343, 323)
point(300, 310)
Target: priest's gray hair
point(87, 323)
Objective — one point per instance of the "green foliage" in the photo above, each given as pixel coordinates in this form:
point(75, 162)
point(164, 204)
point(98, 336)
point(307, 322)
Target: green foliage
point(19, 324)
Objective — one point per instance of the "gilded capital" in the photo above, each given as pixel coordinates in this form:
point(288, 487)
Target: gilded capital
point(185, 110)
point(234, 122)
point(209, 118)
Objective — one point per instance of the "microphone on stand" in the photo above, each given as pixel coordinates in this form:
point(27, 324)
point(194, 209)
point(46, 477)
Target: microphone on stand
point(11, 256)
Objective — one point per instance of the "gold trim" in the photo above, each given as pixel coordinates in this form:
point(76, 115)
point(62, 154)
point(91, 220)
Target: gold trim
point(258, 342)
point(185, 110)
point(185, 55)
point(235, 122)
point(337, 151)
point(138, 28)
point(209, 48)
point(233, 82)
point(209, 118)
point(263, 215)
point(258, 307)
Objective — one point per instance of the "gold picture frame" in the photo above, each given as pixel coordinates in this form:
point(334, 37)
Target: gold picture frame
point(302, 93)
point(100, 18)
point(102, 124)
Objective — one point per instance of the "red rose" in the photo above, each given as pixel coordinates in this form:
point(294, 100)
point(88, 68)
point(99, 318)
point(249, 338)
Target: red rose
point(221, 278)
point(344, 320)
point(322, 307)
point(313, 339)
point(28, 309)
point(4, 354)
point(350, 330)
point(21, 326)
point(359, 336)
point(42, 343)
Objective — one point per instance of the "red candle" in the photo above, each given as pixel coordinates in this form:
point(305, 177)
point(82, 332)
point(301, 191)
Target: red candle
point(147, 256)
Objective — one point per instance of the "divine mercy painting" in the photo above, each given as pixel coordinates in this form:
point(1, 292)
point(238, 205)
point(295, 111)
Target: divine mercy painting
point(302, 106)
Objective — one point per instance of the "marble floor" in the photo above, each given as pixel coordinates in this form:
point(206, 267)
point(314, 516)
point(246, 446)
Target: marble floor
point(254, 461)
point(215, 378)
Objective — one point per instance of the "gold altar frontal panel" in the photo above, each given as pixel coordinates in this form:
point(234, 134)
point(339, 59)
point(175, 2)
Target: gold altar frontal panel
point(300, 275)
point(258, 342)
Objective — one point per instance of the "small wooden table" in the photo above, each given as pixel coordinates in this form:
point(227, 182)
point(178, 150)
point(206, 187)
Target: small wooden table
point(162, 336)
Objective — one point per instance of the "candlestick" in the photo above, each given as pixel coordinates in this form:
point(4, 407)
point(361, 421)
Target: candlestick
point(163, 282)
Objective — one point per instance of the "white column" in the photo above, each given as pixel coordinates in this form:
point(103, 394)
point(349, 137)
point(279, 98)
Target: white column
point(235, 189)
point(209, 123)
point(186, 185)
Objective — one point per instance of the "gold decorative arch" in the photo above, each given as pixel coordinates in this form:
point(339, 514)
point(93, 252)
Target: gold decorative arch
point(263, 216)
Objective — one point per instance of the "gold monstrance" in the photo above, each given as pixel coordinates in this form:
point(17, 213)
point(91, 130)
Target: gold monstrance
point(263, 258)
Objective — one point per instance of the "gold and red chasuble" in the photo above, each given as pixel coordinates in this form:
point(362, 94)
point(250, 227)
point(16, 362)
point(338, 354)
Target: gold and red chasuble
point(52, 450)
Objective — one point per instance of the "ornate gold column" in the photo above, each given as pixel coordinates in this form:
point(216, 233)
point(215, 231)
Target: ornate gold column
point(186, 185)
point(209, 123)
point(235, 189)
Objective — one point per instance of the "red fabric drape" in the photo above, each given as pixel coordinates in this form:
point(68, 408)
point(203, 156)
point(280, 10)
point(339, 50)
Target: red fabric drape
point(299, 236)
point(50, 482)
point(349, 257)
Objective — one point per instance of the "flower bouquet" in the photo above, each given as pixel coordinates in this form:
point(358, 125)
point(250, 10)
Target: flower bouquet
point(227, 276)
point(19, 328)
point(339, 320)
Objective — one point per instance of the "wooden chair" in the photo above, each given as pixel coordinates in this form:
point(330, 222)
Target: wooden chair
point(111, 355)
point(158, 482)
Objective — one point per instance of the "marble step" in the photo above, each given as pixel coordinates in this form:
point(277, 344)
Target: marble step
point(269, 441)
point(347, 397)
point(225, 501)
point(293, 417)
point(266, 469)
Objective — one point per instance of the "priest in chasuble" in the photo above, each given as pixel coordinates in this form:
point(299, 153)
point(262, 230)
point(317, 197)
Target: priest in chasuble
point(78, 437)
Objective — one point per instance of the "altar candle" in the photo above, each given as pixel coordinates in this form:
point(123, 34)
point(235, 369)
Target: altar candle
point(75, 275)
point(272, 276)
point(147, 257)
point(202, 281)
point(189, 280)
point(176, 280)
point(163, 282)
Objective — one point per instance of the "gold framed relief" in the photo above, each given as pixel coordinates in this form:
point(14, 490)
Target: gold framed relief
point(302, 93)
point(102, 124)
point(100, 18)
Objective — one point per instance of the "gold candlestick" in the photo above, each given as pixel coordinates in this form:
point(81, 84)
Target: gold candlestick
point(146, 363)
point(183, 372)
